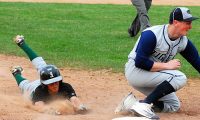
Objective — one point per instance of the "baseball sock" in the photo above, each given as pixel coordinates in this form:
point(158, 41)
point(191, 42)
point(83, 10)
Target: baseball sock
point(161, 90)
point(31, 54)
point(19, 78)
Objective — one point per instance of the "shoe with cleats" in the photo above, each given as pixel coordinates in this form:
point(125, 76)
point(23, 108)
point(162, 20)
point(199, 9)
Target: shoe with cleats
point(19, 39)
point(16, 70)
point(144, 109)
point(126, 103)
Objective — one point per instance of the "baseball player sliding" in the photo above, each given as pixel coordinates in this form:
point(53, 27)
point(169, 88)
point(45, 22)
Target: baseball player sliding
point(50, 84)
point(152, 69)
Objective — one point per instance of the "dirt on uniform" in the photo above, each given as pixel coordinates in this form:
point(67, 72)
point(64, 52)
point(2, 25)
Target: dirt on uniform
point(100, 90)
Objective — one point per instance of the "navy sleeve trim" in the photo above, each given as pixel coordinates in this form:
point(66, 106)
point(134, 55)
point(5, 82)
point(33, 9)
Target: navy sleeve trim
point(144, 49)
point(191, 55)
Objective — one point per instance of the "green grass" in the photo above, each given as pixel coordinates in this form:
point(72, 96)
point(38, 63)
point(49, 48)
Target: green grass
point(79, 35)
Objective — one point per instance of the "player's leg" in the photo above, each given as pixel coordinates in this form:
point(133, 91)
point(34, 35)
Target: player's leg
point(135, 25)
point(171, 103)
point(142, 78)
point(28, 87)
point(126, 103)
point(25, 85)
point(20, 41)
point(134, 29)
point(168, 103)
point(148, 4)
point(142, 11)
point(156, 84)
point(17, 74)
point(37, 61)
point(163, 83)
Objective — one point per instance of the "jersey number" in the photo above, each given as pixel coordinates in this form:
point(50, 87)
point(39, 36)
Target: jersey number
point(51, 74)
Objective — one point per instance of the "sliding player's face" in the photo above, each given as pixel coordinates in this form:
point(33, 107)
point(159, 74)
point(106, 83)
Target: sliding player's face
point(53, 87)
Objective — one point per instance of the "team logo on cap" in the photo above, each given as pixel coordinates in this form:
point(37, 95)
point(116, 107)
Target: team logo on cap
point(188, 11)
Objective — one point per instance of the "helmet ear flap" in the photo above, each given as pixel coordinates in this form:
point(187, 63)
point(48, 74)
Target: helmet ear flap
point(50, 74)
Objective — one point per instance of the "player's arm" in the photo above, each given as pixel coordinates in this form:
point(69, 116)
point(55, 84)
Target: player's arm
point(171, 65)
point(191, 55)
point(70, 94)
point(145, 48)
point(76, 102)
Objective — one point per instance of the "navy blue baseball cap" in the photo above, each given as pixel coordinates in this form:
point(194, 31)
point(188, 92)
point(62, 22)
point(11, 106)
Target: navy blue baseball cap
point(181, 14)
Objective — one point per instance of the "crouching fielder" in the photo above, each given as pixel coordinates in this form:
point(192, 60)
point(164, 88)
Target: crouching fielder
point(152, 69)
point(49, 86)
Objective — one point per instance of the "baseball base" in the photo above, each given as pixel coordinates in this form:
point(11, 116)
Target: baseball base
point(131, 118)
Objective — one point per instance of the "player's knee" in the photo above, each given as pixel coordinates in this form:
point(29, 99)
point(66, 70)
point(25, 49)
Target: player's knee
point(179, 81)
point(39, 63)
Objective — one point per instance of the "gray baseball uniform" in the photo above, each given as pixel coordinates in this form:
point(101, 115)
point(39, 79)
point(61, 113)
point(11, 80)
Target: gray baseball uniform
point(165, 50)
point(28, 87)
point(152, 69)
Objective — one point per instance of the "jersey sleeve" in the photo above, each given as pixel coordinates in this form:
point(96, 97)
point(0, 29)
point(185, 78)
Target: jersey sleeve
point(144, 49)
point(67, 91)
point(191, 55)
point(40, 94)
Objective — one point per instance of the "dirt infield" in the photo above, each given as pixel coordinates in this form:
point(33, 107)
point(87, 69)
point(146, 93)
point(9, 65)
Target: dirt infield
point(100, 90)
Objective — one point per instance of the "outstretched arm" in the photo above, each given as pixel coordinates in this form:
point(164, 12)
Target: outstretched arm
point(78, 105)
point(191, 55)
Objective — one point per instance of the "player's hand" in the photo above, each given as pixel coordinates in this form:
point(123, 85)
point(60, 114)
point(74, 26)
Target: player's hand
point(78, 105)
point(82, 109)
point(173, 64)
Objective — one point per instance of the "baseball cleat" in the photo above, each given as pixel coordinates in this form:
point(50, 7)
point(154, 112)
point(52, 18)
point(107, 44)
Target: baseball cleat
point(16, 70)
point(126, 103)
point(144, 109)
point(19, 39)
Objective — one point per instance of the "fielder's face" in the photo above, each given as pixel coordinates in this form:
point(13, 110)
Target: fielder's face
point(53, 87)
point(183, 27)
